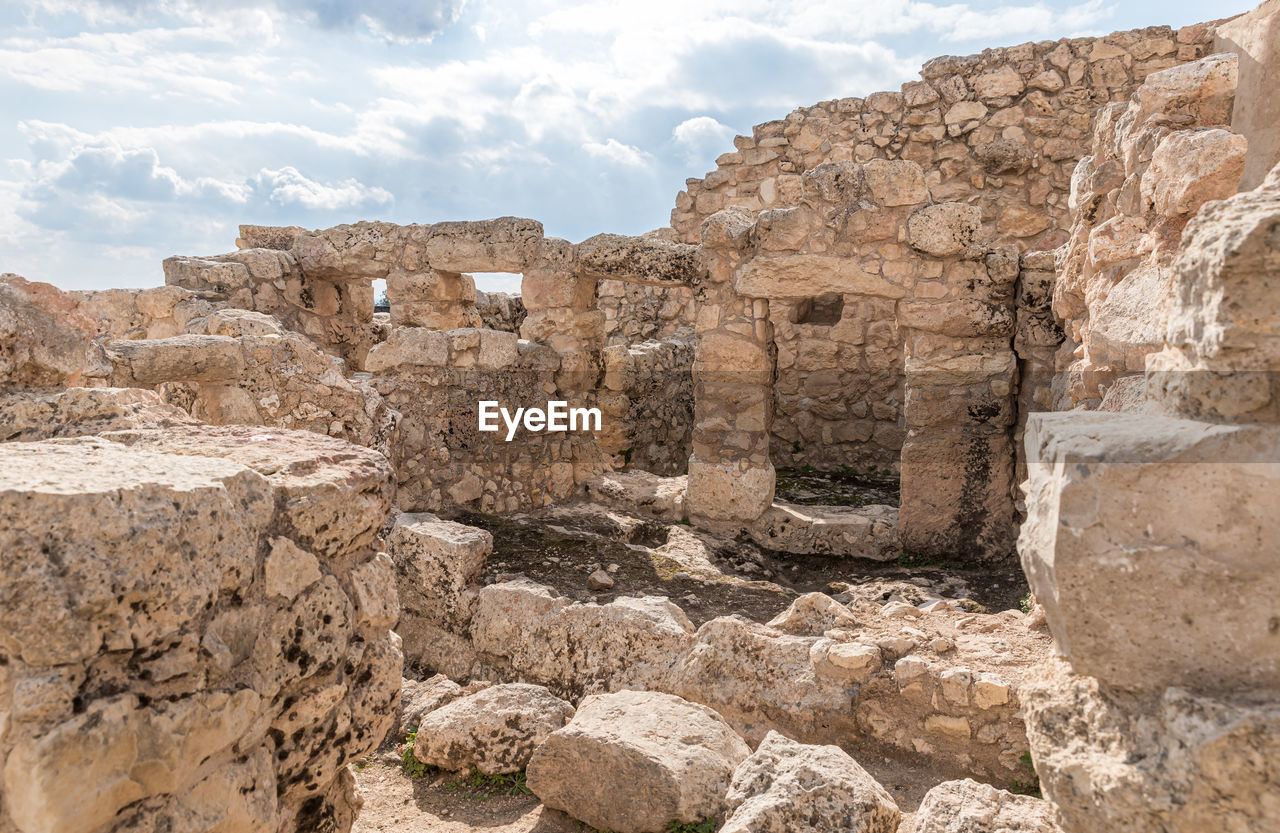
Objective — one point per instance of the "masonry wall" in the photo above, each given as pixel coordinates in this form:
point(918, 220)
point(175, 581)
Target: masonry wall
point(1001, 130)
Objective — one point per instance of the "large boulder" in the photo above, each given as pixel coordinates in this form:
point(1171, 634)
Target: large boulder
point(636, 761)
point(196, 623)
point(437, 563)
point(44, 340)
point(789, 787)
point(1139, 589)
point(495, 730)
point(523, 630)
point(970, 807)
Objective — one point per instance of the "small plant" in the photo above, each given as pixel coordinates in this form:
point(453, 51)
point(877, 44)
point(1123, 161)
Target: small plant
point(478, 785)
point(685, 521)
point(910, 561)
point(706, 826)
point(412, 766)
point(1031, 787)
point(1025, 606)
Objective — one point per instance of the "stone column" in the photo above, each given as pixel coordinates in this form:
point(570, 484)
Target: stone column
point(961, 380)
point(561, 304)
point(731, 480)
point(421, 296)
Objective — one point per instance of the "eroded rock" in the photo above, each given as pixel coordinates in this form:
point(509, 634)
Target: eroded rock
point(636, 761)
point(494, 730)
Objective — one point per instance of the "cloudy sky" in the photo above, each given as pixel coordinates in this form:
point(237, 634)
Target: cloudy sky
point(135, 129)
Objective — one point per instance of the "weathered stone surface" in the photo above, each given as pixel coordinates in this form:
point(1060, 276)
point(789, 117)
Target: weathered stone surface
point(1192, 167)
point(153, 660)
point(155, 312)
point(801, 276)
point(522, 628)
point(361, 250)
point(1255, 37)
point(325, 299)
point(494, 730)
point(1005, 81)
point(44, 340)
point(81, 412)
point(635, 761)
point(418, 697)
point(1171, 761)
point(788, 787)
point(640, 491)
point(645, 260)
point(853, 531)
point(970, 807)
point(506, 244)
point(1004, 157)
point(436, 566)
point(896, 183)
point(409, 346)
point(1138, 591)
point(728, 492)
point(197, 358)
point(1204, 89)
point(945, 229)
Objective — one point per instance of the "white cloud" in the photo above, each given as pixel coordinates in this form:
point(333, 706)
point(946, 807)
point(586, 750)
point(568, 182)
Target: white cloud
point(702, 138)
point(617, 153)
point(393, 20)
point(286, 186)
point(143, 126)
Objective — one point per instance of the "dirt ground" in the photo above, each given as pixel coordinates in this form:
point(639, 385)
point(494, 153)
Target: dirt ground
point(438, 804)
point(709, 576)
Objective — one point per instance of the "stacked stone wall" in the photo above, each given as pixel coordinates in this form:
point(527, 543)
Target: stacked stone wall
point(194, 621)
point(1148, 536)
point(648, 404)
point(1002, 130)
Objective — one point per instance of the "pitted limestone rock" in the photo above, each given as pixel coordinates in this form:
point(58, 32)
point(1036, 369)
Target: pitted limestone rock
point(971, 807)
point(789, 787)
point(44, 340)
point(637, 761)
point(495, 730)
point(149, 660)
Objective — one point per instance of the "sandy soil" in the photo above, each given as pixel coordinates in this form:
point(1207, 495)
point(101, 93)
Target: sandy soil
point(438, 804)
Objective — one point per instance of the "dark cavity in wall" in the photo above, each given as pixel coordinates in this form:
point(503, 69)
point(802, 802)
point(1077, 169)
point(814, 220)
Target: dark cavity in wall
point(822, 311)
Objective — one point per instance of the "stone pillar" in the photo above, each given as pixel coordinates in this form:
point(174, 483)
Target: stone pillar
point(961, 378)
point(421, 296)
point(731, 480)
point(561, 304)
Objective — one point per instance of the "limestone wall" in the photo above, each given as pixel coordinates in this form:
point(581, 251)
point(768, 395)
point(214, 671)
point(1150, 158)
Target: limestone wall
point(1001, 130)
point(146, 313)
point(194, 621)
point(1255, 38)
point(435, 380)
point(647, 402)
point(332, 311)
point(1153, 163)
point(1148, 537)
point(635, 312)
point(937, 357)
point(500, 311)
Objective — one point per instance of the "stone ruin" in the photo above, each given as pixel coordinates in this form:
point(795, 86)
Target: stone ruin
point(1022, 312)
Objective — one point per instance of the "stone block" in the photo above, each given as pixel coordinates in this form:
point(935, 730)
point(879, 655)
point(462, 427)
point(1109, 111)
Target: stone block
point(635, 762)
point(1146, 580)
